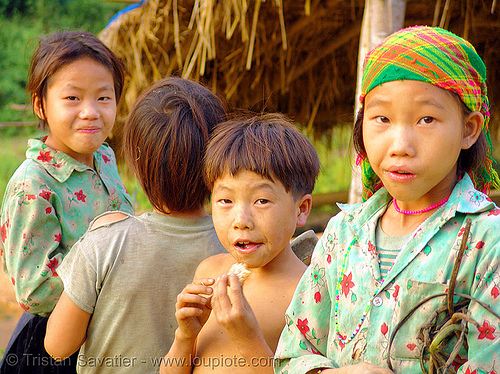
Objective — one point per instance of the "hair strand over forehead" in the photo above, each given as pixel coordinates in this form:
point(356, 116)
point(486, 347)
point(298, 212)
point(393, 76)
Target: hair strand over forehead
point(268, 145)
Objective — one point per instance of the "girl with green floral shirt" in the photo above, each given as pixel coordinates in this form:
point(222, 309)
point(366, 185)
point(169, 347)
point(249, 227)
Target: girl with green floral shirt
point(424, 147)
point(67, 179)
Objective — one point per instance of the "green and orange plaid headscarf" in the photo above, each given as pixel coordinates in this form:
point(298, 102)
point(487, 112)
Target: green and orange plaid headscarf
point(439, 57)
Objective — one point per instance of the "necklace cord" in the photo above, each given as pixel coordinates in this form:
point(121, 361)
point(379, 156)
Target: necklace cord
point(420, 211)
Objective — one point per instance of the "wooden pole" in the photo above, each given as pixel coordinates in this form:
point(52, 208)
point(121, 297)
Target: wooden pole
point(380, 19)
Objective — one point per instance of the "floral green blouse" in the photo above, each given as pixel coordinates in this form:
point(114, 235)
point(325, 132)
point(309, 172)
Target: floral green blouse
point(48, 204)
point(321, 333)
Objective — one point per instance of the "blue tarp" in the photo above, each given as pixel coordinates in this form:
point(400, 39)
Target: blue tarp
point(125, 10)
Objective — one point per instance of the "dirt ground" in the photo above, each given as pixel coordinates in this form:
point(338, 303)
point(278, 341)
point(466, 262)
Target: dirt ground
point(9, 310)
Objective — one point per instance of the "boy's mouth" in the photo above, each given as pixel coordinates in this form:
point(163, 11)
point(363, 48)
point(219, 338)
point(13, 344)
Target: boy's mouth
point(246, 246)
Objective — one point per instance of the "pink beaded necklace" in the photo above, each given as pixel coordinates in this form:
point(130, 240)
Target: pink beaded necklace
point(409, 212)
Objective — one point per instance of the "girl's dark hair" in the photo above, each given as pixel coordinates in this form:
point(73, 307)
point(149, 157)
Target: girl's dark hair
point(469, 160)
point(268, 145)
point(59, 49)
point(165, 137)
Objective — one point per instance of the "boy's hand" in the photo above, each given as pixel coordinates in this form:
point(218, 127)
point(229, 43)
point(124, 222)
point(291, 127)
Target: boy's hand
point(232, 310)
point(192, 308)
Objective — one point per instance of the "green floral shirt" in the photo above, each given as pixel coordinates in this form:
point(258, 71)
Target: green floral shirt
point(48, 204)
point(349, 271)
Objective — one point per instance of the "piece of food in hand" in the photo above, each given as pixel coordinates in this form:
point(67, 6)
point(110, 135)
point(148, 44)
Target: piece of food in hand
point(240, 270)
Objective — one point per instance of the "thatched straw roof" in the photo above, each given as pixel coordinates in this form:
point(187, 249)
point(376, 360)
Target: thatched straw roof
point(294, 56)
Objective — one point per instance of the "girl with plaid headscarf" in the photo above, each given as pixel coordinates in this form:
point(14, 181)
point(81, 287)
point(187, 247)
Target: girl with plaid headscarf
point(425, 153)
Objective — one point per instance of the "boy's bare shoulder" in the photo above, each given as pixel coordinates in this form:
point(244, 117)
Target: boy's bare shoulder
point(214, 266)
point(108, 217)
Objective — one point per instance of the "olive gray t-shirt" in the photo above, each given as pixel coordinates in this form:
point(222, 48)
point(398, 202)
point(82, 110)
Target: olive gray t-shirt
point(128, 274)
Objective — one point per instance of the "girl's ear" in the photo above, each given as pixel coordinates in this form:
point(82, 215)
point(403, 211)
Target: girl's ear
point(473, 127)
point(38, 107)
point(303, 209)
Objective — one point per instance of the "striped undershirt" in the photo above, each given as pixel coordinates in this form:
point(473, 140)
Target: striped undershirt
point(388, 248)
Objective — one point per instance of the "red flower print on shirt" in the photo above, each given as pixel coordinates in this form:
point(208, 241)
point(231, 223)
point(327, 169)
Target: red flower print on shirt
point(494, 291)
point(459, 361)
point(24, 307)
point(80, 195)
point(347, 284)
point(317, 297)
point(342, 345)
point(494, 212)
point(45, 195)
point(396, 292)
point(329, 259)
point(52, 265)
point(302, 325)
point(3, 230)
point(58, 237)
point(486, 331)
point(44, 156)
point(48, 210)
point(105, 159)
point(470, 372)
point(371, 248)
point(31, 197)
point(411, 347)
point(384, 328)
point(479, 245)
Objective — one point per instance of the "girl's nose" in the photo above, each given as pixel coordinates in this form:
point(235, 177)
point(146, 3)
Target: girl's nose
point(242, 219)
point(402, 141)
point(89, 111)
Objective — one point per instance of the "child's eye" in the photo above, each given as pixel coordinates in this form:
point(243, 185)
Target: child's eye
point(224, 201)
point(105, 98)
point(72, 98)
point(382, 119)
point(262, 201)
point(426, 120)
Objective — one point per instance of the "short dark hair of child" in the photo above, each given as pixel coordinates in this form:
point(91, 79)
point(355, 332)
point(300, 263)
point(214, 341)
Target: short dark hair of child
point(58, 49)
point(268, 145)
point(165, 137)
point(469, 160)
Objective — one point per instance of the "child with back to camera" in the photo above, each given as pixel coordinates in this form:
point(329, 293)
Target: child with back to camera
point(122, 277)
point(261, 172)
point(68, 178)
point(423, 138)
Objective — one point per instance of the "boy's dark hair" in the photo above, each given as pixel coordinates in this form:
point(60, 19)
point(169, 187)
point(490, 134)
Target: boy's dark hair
point(469, 160)
point(165, 138)
point(268, 145)
point(59, 49)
